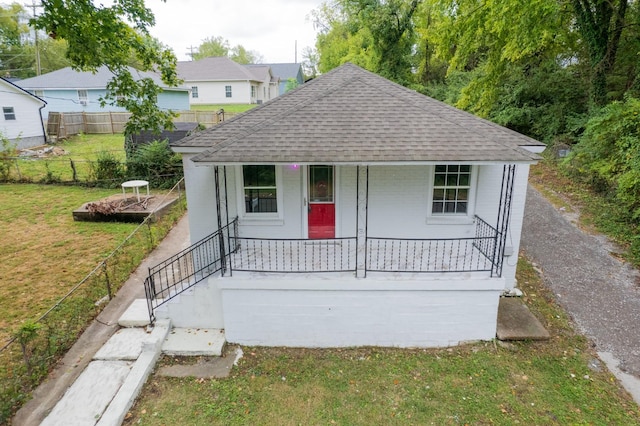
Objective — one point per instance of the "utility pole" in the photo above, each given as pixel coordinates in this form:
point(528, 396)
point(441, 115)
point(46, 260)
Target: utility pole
point(192, 53)
point(33, 6)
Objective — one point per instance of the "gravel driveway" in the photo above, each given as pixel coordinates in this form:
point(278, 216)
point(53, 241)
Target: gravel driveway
point(601, 294)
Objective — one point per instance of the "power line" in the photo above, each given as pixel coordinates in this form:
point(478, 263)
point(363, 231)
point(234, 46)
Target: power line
point(33, 5)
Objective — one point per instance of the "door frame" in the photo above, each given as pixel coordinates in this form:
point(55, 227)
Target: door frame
point(305, 198)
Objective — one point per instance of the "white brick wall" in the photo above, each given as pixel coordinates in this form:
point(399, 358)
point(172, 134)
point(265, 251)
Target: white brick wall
point(350, 312)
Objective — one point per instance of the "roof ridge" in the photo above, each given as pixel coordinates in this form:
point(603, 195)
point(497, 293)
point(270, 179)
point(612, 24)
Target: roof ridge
point(252, 129)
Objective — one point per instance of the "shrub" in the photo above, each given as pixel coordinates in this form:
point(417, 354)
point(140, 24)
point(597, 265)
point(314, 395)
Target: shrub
point(107, 170)
point(608, 154)
point(156, 163)
point(7, 152)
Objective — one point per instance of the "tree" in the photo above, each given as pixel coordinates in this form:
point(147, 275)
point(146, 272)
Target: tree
point(492, 36)
point(309, 62)
point(600, 23)
point(243, 56)
point(99, 35)
point(375, 34)
point(14, 61)
point(291, 84)
point(212, 46)
point(219, 46)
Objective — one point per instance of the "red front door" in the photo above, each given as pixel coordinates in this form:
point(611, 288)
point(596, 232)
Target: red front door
point(322, 208)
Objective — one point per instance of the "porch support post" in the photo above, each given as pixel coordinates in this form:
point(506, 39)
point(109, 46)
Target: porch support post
point(223, 258)
point(362, 213)
point(504, 217)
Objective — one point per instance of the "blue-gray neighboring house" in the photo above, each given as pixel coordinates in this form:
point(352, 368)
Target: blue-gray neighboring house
point(286, 71)
point(67, 90)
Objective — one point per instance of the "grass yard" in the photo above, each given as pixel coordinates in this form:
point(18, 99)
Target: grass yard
point(528, 383)
point(44, 252)
point(82, 149)
point(234, 108)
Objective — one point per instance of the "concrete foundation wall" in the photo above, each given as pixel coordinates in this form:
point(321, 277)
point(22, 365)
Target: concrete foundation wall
point(318, 313)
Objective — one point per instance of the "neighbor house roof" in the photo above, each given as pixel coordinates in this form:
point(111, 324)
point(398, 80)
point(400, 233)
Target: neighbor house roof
point(68, 78)
point(215, 69)
point(350, 115)
point(261, 72)
point(285, 71)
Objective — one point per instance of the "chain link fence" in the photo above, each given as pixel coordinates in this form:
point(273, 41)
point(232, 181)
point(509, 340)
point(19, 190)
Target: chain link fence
point(26, 359)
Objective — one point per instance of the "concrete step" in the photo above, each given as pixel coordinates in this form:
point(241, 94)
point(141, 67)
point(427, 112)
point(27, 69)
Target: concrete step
point(516, 322)
point(194, 342)
point(136, 315)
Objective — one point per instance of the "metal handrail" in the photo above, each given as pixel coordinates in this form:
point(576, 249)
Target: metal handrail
point(190, 266)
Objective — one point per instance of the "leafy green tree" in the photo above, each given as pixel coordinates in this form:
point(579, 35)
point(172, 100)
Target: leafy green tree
point(14, 61)
point(212, 46)
point(243, 56)
point(291, 84)
point(99, 35)
point(491, 36)
point(600, 23)
point(375, 34)
point(219, 46)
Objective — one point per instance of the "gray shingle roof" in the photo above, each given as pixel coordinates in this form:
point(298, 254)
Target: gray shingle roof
point(219, 68)
point(285, 71)
point(350, 115)
point(68, 78)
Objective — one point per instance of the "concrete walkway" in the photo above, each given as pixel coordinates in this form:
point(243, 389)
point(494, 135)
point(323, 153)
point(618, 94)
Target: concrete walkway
point(600, 293)
point(98, 333)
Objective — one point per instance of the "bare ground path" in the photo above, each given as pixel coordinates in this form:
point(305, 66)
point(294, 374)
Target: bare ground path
point(601, 293)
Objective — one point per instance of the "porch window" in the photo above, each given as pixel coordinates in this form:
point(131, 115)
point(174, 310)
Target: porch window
point(253, 91)
point(451, 187)
point(260, 190)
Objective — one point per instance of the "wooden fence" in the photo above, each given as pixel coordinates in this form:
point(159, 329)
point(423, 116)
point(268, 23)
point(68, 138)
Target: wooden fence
point(61, 125)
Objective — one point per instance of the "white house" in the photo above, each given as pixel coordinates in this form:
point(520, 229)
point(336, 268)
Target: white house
point(219, 80)
point(68, 90)
point(350, 211)
point(21, 121)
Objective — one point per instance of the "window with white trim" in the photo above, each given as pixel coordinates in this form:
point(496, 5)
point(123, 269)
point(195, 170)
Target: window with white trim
point(83, 97)
point(253, 91)
point(227, 91)
point(260, 189)
point(194, 92)
point(9, 113)
point(451, 189)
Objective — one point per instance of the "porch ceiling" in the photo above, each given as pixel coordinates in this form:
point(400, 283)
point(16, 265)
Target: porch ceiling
point(350, 115)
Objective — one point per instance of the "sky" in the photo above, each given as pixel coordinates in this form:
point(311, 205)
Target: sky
point(270, 27)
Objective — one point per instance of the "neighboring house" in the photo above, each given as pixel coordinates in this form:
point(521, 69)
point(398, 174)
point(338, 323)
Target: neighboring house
point(67, 90)
point(21, 121)
point(351, 211)
point(286, 71)
point(219, 80)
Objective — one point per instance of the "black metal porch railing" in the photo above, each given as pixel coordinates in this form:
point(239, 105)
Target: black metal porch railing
point(293, 255)
point(472, 254)
point(224, 250)
point(188, 267)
